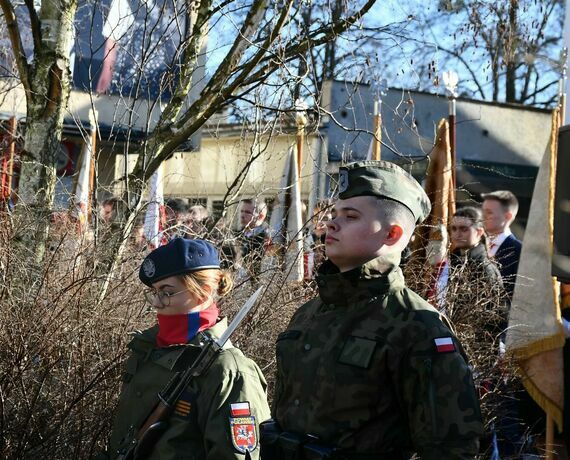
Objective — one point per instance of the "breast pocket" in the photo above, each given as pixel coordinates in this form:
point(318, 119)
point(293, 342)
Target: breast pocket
point(287, 348)
point(130, 369)
point(358, 376)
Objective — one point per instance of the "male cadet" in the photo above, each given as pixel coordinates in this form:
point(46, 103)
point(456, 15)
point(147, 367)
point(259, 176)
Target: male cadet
point(499, 211)
point(368, 370)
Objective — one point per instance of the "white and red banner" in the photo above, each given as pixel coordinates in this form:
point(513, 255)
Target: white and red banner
point(155, 217)
point(83, 189)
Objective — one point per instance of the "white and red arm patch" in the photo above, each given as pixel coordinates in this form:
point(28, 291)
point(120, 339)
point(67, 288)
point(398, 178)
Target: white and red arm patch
point(444, 345)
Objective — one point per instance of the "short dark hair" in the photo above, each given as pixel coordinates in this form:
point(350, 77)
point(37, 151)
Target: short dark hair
point(259, 204)
point(177, 205)
point(507, 199)
point(113, 202)
point(392, 209)
point(472, 213)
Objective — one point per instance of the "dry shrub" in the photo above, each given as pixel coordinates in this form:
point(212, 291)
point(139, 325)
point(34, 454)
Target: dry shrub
point(62, 349)
point(257, 335)
point(477, 311)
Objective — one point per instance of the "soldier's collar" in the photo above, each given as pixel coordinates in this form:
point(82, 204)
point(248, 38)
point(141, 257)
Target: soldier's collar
point(369, 280)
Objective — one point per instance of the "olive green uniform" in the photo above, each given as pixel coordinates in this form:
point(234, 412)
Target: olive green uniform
point(360, 369)
point(202, 425)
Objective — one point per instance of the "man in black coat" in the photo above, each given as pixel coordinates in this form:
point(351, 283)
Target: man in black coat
point(499, 211)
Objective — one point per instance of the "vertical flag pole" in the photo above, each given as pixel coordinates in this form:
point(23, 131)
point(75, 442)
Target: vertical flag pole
point(450, 80)
point(11, 154)
point(549, 438)
point(300, 140)
point(93, 116)
point(562, 102)
point(453, 137)
point(376, 153)
point(301, 121)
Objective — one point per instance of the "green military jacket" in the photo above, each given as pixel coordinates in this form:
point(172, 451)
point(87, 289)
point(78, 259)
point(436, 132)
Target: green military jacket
point(217, 418)
point(370, 367)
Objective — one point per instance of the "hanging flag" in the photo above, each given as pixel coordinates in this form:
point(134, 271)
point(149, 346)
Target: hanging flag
point(535, 336)
point(155, 216)
point(82, 189)
point(294, 257)
point(286, 219)
point(431, 240)
point(439, 180)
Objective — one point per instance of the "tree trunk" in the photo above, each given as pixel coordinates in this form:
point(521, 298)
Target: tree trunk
point(511, 46)
point(49, 81)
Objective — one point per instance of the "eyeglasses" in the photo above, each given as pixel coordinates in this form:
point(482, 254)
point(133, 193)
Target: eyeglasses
point(163, 296)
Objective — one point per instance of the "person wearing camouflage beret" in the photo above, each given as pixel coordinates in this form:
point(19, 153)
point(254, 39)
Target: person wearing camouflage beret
point(369, 370)
point(217, 416)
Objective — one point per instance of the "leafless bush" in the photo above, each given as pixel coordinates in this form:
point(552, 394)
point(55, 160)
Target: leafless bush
point(476, 308)
point(61, 349)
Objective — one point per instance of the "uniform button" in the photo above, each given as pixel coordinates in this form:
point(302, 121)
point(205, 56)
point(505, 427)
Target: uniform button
point(307, 346)
point(296, 402)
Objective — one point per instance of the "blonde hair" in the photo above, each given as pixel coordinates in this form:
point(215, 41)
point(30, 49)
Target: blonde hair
point(203, 283)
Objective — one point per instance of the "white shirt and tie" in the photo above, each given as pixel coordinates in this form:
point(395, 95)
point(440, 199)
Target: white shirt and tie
point(495, 241)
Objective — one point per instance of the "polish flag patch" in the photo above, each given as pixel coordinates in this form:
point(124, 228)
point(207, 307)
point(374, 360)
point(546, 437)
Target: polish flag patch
point(240, 409)
point(444, 345)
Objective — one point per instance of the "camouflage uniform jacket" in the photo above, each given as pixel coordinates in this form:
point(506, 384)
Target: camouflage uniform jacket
point(202, 425)
point(359, 367)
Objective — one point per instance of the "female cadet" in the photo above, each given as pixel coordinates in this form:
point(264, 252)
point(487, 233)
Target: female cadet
point(217, 416)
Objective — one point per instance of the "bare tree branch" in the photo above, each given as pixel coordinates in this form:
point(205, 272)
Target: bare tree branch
point(17, 47)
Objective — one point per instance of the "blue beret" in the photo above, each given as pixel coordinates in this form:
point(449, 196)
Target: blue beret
point(179, 256)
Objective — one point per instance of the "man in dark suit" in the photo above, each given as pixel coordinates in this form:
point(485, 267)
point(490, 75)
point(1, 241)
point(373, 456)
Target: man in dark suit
point(499, 211)
point(520, 413)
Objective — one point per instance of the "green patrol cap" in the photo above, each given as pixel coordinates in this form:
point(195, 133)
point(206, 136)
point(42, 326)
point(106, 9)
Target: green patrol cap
point(384, 180)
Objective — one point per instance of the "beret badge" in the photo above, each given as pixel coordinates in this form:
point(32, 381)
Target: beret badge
point(342, 180)
point(149, 268)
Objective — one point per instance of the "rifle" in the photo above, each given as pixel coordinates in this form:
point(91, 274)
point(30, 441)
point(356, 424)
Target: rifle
point(156, 423)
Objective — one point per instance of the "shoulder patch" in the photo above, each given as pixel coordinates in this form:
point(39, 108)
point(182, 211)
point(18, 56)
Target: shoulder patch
point(240, 409)
point(183, 406)
point(444, 345)
point(244, 436)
